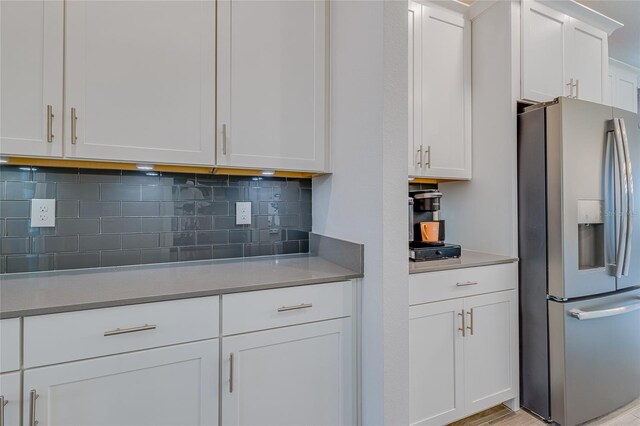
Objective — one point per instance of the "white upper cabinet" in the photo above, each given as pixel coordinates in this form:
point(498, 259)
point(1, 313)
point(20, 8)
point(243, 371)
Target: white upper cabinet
point(623, 80)
point(140, 82)
point(589, 62)
point(272, 84)
point(31, 45)
point(440, 91)
point(562, 56)
point(415, 88)
point(544, 67)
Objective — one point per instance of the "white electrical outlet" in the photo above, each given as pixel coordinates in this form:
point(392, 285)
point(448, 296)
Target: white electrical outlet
point(43, 213)
point(243, 213)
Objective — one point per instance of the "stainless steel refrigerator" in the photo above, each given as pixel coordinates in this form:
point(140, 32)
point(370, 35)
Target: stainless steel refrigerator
point(579, 243)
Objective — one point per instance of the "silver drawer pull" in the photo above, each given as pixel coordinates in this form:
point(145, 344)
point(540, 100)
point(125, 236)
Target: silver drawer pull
point(466, 283)
point(294, 308)
point(130, 330)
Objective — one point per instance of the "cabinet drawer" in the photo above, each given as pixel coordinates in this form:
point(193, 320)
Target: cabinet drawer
point(259, 310)
point(9, 344)
point(442, 285)
point(50, 339)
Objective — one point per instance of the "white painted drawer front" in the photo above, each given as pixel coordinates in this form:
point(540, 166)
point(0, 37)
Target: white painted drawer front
point(50, 339)
point(259, 310)
point(442, 285)
point(9, 344)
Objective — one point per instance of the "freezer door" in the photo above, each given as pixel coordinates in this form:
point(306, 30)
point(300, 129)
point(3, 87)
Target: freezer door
point(594, 356)
point(578, 213)
point(632, 127)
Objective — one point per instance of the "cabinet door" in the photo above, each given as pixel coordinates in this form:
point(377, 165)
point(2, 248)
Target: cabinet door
point(10, 395)
point(300, 375)
point(141, 78)
point(545, 73)
point(588, 62)
point(623, 83)
point(490, 350)
point(272, 89)
point(175, 385)
point(446, 94)
point(31, 42)
point(415, 88)
point(436, 363)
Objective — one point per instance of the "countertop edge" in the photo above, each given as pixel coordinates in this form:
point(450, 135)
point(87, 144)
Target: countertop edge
point(174, 296)
point(465, 266)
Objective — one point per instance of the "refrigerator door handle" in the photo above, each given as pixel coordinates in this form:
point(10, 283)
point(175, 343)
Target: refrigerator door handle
point(630, 198)
point(603, 313)
point(621, 214)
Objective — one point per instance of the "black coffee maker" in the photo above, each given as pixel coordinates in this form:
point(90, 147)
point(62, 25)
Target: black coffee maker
point(426, 229)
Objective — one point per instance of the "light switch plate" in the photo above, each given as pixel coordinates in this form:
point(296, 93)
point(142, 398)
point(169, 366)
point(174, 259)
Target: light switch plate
point(43, 213)
point(243, 213)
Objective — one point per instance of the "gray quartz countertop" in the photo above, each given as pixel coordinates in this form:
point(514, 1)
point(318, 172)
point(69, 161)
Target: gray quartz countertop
point(468, 259)
point(52, 292)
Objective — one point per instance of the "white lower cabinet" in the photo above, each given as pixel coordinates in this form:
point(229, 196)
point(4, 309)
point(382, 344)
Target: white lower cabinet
point(435, 363)
point(490, 350)
point(10, 399)
point(463, 354)
point(294, 375)
point(174, 385)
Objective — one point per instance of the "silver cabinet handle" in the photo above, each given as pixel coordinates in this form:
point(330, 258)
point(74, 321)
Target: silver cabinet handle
point(428, 152)
point(577, 86)
point(130, 330)
point(295, 308)
point(50, 123)
point(224, 139)
point(470, 327)
point(570, 84)
point(463, 329)
point(32, 407)
point(3, 402)
point(231, 372)
point(74, 126)
point(630, 198)
point(610, 312)
point(466, 283)
point(420, 164)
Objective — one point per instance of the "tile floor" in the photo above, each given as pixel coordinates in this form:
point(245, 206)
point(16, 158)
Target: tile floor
point(629, 415)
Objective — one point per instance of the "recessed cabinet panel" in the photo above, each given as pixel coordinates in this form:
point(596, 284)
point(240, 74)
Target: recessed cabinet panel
point(31, 45)
point(439, 92)
point(299, 375)
point(435, 363)
point(139, 81)
point(272, 84)
point(490, 349)
point(589, 62)
point(543, 35)
point(443, 92)
point(175, 385)
point(415, 88)
point(10, 391)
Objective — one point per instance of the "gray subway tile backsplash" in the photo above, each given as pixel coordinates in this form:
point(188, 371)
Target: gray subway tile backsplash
point(112, 218)
point(99, 242)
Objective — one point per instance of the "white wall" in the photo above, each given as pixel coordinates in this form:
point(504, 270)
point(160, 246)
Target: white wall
point(364, 200)
point(482, 214)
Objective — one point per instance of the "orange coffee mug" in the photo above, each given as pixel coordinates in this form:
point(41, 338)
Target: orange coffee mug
point(430, 231)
